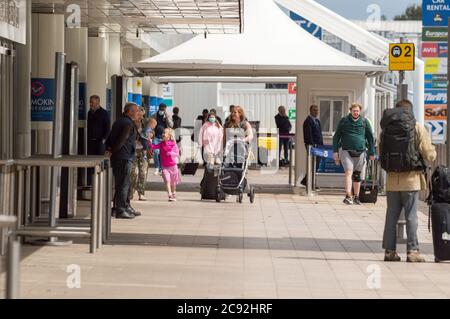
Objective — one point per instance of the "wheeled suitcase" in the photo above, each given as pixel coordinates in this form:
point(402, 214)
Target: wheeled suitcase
point(209, 183)
point(368, 192)
point(440, 221)
point(189, 168)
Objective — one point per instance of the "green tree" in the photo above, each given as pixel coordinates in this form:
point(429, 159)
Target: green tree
point(413, 12)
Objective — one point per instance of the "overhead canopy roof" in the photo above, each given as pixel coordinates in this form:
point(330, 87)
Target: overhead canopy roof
point(270, 45)
point(160, 16)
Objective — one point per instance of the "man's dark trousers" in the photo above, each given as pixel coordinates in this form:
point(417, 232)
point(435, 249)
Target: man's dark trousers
point(122, 176)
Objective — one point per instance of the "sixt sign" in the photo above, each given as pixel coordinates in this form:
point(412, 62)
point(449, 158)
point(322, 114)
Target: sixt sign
point(307, 25)
point(435, 96)
point(42, 99)
point(436, 13)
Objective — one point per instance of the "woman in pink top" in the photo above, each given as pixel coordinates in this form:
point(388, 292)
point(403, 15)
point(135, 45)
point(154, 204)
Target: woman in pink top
point(210, 138)
point(169, 153)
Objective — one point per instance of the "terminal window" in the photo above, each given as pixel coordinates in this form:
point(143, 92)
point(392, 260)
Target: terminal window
point(331, 110)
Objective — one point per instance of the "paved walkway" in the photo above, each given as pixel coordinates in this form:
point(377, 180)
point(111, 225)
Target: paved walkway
point(282, 246)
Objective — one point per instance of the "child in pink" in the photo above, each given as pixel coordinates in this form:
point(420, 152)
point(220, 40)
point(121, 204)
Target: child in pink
point(169, 153)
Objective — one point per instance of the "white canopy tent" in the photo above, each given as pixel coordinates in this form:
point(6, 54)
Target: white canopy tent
point(271, 45)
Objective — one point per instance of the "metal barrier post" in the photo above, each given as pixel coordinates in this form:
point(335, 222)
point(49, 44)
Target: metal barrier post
point(94, 209)
point(13, 269)
point(290, 162)
point(309, 190)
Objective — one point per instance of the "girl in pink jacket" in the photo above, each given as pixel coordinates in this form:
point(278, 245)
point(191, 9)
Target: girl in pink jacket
point(169, 153)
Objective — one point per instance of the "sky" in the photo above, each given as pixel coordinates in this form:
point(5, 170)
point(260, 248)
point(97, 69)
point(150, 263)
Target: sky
point(357, 9)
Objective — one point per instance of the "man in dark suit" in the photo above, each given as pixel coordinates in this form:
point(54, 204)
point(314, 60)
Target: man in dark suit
point(98, 126)
point(312, 134)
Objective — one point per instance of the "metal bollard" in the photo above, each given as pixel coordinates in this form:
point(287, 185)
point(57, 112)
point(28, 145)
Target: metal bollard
point(290, 163)
point(13, 270)
point(309, 169)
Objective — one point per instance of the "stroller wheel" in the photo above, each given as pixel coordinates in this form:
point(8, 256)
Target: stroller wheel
point(252, 195)
point(241, 196)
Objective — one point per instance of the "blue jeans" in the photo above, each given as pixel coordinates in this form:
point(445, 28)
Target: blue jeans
point(156, 157)
point(395, 202)
point(285, 143)
point(122, 178)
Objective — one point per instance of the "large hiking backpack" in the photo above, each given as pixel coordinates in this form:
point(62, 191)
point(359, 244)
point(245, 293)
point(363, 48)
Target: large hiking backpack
point(398, 151)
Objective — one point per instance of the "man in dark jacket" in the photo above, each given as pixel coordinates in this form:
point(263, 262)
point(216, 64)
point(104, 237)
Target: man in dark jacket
point(312, 135)
point(121, 147)
point(176, 119)
point(98, 126)
point(284, 127)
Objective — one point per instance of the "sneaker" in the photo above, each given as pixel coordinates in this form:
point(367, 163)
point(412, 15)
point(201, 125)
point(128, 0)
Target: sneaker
point(142, 198)
point(356, 201)
point(348, 200)
point(414, 256)
point(174, 196)
point(172, 199)
point(391, 255)
point(156, 172)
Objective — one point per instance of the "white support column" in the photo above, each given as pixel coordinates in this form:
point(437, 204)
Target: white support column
point(98, 73)
point(47, 39)
point(300, 151)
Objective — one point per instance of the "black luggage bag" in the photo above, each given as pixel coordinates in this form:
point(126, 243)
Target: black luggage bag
point(209, 183)
point(189, 168)
point(368, 192)
point(440, 220)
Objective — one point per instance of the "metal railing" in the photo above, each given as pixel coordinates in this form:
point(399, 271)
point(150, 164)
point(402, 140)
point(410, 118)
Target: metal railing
point(28, 221)
point(8, 223)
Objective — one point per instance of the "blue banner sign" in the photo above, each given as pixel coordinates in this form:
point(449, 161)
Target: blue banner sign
point(435, 96)
point(307, 25)
point(435, 13)
point(42, 99)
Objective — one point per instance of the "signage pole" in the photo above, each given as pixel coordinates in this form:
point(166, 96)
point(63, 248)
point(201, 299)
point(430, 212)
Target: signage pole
point(448, 113)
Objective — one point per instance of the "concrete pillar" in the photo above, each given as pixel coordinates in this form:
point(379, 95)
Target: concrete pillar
point(300, 151)
point(76, 48)
point(47, 39)
point(22, 135)
point(97, 71)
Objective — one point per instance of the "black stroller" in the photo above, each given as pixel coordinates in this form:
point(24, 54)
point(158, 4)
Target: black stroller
point(233, 171)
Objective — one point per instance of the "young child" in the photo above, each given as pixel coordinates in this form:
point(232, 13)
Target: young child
point(150, 133)
point(169, 153)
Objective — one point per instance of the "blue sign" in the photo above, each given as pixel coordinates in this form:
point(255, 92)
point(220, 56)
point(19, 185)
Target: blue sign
point(307, 25)
point(137, 98)
point(153, 105)
point(130, 97)
point(42, 99)
point(82, 104)
point(435, 96)
point(327, 164)
point(435, 13)
point(437, 127)
point(442, 50)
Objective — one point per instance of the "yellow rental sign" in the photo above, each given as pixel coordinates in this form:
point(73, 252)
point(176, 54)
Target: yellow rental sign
point(402, 57)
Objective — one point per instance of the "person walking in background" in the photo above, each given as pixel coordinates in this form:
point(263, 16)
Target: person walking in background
point(120, 146)
point(218, 119)
point(227, 119)
point(405, 177)
point(352, 135)
point(139, 165)
point(169, 154)
point(163, 121)
point(284, 127)
point(210, 139)
point(176, 119)
point(312, 135)
point(98, 126)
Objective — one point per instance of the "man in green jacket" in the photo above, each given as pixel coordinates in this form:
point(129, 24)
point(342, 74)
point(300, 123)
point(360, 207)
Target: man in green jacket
point(351, 140)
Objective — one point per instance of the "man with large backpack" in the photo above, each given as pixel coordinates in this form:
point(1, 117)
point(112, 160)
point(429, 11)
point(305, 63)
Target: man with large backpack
point(404, 147)
point(352, 138)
